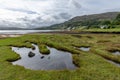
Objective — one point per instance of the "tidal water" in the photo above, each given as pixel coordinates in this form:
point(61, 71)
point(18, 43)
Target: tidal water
point(23, 31)
point(116, 53)
point(56, 60)
point(85, 49)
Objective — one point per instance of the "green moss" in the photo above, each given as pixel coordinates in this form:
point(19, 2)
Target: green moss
point(43, 49)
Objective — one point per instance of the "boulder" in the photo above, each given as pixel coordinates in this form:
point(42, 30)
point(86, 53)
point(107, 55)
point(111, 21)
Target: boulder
point(31, 54)
point(42, 57)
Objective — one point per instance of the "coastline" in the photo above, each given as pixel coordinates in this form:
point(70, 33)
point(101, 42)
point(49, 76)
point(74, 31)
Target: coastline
point(9, 35)
point(5, 35)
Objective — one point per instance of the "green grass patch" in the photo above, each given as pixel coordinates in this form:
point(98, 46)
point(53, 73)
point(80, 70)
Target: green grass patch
point(43, 49)
point(91, 65)
point(102, 30)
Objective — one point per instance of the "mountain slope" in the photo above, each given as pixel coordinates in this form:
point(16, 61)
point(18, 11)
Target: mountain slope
point(86, 20)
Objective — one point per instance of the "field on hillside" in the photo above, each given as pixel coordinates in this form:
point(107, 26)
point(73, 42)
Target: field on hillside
point(99, 63)
point(102, 30)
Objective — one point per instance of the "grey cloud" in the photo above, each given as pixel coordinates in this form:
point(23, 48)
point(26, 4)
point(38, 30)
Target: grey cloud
point(65, 15)
point(56, 17)
point(22, 10)
point(8, 24)
point(38, 21)
point(57, 10)
point(32, 23)
point(76, 4)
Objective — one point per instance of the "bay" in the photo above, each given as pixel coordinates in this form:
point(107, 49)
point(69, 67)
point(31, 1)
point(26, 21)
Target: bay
point(23, 31)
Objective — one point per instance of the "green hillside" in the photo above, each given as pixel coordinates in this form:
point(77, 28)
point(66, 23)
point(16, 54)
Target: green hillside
point(103, 20)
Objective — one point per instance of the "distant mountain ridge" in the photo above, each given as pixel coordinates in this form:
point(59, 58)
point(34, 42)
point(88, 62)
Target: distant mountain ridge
point(80, 20)
point(106, 16)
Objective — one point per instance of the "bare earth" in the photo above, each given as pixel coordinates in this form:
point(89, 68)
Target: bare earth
point(9, 35)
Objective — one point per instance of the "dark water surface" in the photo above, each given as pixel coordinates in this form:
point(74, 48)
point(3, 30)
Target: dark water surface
point(116, 53)
point(56, 60)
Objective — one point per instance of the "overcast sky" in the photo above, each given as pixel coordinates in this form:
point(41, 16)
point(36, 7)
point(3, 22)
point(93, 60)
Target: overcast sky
point(37, 13)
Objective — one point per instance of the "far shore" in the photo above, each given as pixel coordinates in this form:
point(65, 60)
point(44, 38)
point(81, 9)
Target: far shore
point(9, 35)
point(58, 32)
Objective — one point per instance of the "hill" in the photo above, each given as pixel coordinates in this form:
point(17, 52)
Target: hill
point(86, 20)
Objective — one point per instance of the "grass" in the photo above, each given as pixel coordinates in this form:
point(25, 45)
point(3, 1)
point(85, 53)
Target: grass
point(43, 49)
point(100, 30)
point(91, 65)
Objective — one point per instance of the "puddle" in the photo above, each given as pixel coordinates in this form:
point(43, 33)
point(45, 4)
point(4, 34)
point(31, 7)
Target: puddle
point(115, 63)
point(85, 48)
point(116, 52)
point(33, 59)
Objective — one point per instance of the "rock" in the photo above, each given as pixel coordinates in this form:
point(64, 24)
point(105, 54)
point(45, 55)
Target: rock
point(42, 57)
point(31, 54)
point(33, 48)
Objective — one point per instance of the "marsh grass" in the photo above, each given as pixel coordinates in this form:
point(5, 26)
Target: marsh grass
point(102, 30)
point(92, 66)
point(43, 49)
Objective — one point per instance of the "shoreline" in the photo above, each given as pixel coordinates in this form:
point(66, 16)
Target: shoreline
point(76, 32)
point(56, 32)
point(9, 35)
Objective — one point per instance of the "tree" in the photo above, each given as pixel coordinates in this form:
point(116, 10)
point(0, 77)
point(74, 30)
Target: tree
point(117, 20)
point(118, 17)
point(106, 22)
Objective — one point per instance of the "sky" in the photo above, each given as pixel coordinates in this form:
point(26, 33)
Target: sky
point(39, 13)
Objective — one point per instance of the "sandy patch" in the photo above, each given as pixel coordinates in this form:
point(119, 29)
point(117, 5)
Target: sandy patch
point(9, 35)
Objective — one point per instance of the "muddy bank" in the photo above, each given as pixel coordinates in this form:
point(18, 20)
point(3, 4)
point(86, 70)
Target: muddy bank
point(12, 34)
point(57, 32)
point(9, 35)
point(82, 32)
